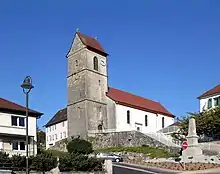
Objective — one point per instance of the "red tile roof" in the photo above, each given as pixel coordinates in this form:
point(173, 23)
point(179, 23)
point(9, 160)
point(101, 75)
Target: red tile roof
point(213, 91)
point(133, 101)
point(92, 43)
point(6, 105)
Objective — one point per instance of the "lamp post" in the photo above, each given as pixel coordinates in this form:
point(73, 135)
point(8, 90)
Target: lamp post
point(27, 86)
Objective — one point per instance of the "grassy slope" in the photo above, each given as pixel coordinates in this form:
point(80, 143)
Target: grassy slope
point(153, 152)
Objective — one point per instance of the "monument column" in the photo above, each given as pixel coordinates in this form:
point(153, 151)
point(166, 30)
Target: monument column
point(192, 139)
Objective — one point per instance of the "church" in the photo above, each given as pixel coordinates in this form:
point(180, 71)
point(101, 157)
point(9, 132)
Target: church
point(93, 106)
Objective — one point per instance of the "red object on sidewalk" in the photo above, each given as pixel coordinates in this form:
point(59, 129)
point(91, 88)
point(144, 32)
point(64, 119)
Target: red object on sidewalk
point(184, 145)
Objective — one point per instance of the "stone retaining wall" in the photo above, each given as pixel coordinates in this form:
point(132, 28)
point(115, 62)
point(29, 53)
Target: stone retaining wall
point(117, 139)
point(126, 139)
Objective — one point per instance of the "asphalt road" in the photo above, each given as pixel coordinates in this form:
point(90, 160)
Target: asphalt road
point(121, 168)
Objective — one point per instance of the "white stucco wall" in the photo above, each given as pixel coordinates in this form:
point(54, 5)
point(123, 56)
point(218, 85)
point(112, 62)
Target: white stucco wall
point(56, 130)
point(204, 102)
point(137, 118)
point(7, 128)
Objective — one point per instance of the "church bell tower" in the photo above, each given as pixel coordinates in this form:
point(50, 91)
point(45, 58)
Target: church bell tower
point(87, 86)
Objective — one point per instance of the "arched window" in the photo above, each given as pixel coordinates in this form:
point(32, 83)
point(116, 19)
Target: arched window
point(99, 127)
point(95, 63)
point(128, 116)
point(146, 121)
point(162, 122)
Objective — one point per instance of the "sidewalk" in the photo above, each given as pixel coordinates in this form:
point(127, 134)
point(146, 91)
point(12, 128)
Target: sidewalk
point(210, 171)
point(155, 168)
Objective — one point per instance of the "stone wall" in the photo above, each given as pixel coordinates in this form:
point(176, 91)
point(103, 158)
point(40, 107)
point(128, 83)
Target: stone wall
point(117, 139)
point(126, 139)
point(60, 146)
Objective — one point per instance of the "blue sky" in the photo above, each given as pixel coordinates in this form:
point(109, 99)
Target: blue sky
point(168, 51)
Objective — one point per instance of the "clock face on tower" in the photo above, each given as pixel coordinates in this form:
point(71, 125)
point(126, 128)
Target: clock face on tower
point(102, 62)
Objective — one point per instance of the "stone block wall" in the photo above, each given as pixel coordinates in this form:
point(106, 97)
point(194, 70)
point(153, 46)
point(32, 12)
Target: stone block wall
point(126, 139)
point(117, 139)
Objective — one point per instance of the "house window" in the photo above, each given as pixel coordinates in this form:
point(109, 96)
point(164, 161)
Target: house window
point(14, 121)
point(217, 101)
point(128, 117)
point(64, 134)
point(162, 122)
point(95, 63)
point(15, 145)
point(54, 127)
point(17, 121)
point(55, 136)
point(138, 128)
point(76, 62)
point(61, 135)
point(22, 146)
point(18, 145)
point(209, 103)
point(63, 124)
point(146, 123)
point(50, 137)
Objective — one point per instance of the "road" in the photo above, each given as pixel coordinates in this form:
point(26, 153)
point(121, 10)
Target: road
point(121, 168)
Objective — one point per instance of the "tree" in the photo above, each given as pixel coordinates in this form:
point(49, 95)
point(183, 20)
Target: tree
point(41, 136)
point(207, 122)
point(41, 140)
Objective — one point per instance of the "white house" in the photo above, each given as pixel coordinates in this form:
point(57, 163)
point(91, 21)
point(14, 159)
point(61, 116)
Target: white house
point(56, 128)
point(210, 98)
point(93, 106)
point(13, 128)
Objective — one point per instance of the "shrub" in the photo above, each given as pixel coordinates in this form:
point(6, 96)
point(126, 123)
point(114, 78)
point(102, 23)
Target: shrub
point(18, 162)
point(79, 146)
point(79, 162)
point(65, 164)
point(5, 160)
point(44, 162)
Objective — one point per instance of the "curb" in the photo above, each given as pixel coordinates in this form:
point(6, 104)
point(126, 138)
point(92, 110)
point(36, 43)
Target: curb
point(210, 171)
point(150, 167)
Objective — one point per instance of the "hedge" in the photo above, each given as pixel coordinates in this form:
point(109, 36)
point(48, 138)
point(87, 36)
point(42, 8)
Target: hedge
point(42, 162)
point(79, 162)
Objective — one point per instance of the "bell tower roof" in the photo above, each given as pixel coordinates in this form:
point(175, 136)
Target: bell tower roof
point(91, 43)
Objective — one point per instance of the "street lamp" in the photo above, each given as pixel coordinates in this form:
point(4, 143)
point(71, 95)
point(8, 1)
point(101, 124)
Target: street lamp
point(27, 86)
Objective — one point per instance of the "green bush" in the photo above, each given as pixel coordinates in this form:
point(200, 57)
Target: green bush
point(5, 160)
point(79, 162)
point(44, 162)
point(79, 146)
point(18, 162)
point(65, 163)
point(153, 152)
